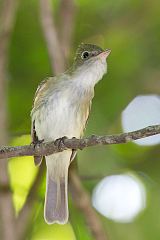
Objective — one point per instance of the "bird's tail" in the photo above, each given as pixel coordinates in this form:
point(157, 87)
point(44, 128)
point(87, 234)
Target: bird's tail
point(56, 199)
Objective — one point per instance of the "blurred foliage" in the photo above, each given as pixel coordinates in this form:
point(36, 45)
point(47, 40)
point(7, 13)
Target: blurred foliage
point(22, 173)
point(131, 29)
point(50, 232)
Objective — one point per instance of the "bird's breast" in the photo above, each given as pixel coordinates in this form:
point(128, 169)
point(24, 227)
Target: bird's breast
point(63, 114)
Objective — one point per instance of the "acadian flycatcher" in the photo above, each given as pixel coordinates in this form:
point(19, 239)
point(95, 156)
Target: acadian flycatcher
point(61, 108)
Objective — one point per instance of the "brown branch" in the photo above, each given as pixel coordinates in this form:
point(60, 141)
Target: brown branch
point(48, 26)
point(83, 201)
point(7, 17)
point(49, 148)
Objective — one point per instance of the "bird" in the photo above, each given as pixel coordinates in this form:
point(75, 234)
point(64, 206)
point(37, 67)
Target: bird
point(61, 108)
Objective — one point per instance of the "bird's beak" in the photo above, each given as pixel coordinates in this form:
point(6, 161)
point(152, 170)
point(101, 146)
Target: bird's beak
point(105, 53)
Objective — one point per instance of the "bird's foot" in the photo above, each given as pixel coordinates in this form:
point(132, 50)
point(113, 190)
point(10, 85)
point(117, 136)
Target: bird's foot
point(37, 142)
point(59, 142)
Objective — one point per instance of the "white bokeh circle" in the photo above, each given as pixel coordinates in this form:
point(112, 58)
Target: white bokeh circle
point(119, 197)
point(142, 111)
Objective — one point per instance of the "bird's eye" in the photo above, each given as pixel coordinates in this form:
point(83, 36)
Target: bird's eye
point(85, 55)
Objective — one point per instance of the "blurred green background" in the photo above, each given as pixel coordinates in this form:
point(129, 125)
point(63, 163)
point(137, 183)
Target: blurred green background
point(131, 29)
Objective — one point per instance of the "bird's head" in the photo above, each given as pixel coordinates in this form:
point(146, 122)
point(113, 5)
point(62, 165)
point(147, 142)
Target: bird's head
point(91, 59)
point(89, 53)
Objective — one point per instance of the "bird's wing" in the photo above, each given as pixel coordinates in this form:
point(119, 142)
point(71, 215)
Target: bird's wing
point(45, 89)
point(86, 109)
point(40, 92)
point(88, 112)
point(38, 100)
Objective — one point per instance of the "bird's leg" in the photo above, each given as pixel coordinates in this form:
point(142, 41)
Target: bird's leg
point(37, 142)
point(60, 144)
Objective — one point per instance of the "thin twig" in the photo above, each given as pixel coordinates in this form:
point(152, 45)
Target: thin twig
point(51, 37)
point(83, 201)
point(49, 148)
